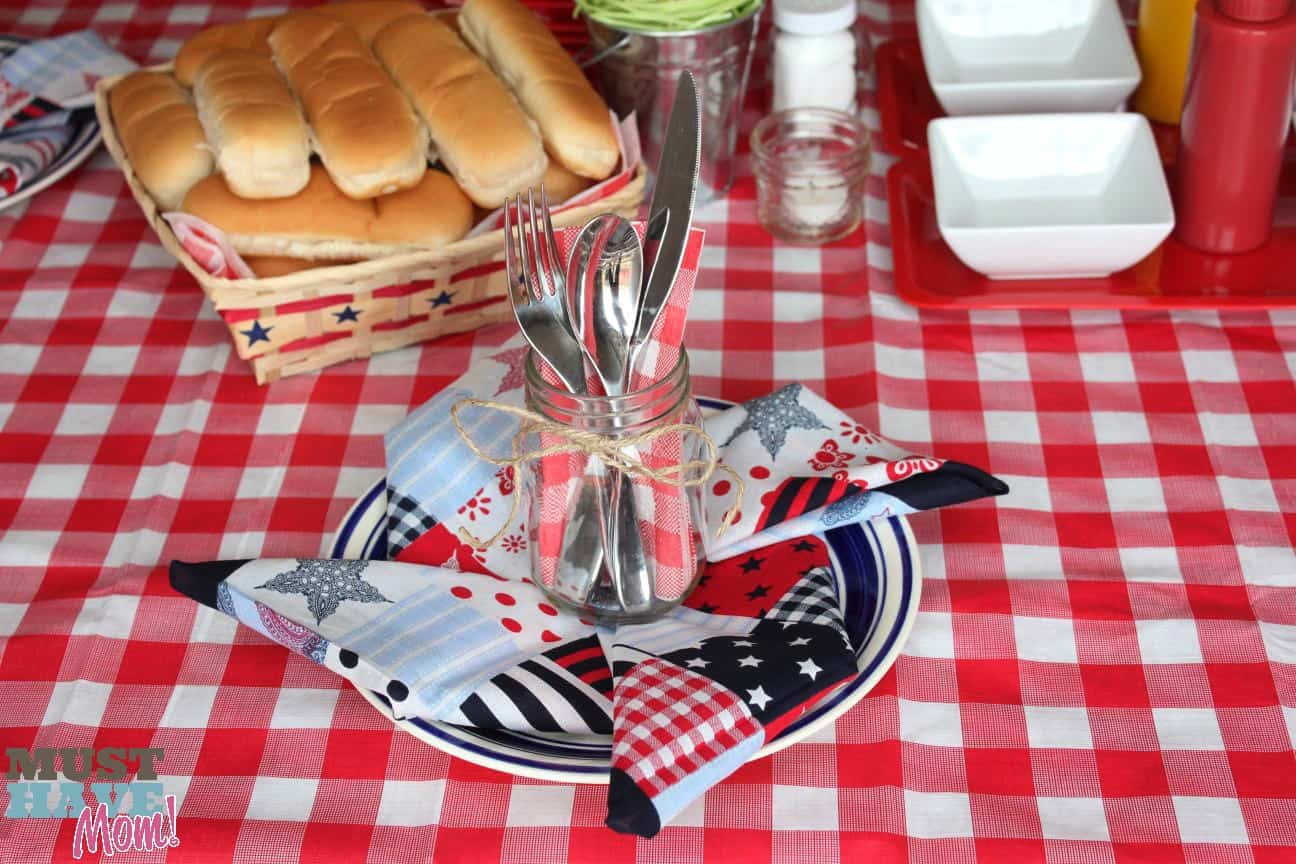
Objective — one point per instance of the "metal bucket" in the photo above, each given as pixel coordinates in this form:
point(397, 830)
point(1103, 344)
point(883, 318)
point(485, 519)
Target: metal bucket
point(638, 71)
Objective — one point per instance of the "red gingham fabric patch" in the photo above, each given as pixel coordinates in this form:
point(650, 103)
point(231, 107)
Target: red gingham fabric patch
point(671, 722)
point(663, 508)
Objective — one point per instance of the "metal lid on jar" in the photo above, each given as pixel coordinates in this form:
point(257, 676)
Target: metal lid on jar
point(813, 17)
point(1254, 10)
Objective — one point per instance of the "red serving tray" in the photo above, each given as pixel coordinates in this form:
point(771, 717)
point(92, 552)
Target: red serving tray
point(928, 274)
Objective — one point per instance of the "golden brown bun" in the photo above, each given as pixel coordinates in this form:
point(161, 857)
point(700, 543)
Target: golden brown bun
point(266, 266)
point(253, 124)
point(159, 129)
point(369, 17)
point(573, 118)
point(477, 127)
point(562, 184)
point(322, 223)
point(366, 17)
point(249, 35)
point(364, 130)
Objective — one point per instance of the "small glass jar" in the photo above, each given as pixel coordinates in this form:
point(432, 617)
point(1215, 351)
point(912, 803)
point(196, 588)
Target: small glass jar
point(811, 165)
point(579, 510)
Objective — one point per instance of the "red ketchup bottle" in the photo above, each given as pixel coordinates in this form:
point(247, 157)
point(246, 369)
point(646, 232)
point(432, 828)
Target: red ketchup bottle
point(1237, 112)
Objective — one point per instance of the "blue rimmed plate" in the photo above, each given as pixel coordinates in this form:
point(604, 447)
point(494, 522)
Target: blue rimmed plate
point(878, 572)
point(85, 140)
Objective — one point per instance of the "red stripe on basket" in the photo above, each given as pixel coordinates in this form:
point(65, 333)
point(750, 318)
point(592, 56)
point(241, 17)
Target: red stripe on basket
point(305, 344)
point(404, 288)
point(479, 270)
point(238, 316)
point(469, 307)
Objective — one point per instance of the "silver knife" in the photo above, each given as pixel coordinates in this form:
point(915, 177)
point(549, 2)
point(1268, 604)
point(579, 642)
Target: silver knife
point(670, 214)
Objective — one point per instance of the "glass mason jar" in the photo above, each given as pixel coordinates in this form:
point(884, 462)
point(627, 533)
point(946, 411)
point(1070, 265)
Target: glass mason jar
point(811, 165)
point(614, 545)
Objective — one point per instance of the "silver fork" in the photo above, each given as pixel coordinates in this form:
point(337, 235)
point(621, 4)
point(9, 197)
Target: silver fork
point(535, 269)
point(539, 307)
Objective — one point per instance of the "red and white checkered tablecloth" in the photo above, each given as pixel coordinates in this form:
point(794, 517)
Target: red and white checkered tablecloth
point(1103, 669)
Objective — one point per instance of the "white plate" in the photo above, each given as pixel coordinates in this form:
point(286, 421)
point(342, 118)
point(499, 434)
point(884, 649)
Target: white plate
point(1049, 195)
point(877, 569)
point(84, 142)
point(1027, 56)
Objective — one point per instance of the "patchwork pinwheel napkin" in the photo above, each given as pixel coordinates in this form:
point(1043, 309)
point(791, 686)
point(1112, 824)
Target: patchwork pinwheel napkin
point(41, 84)
point(463, 635)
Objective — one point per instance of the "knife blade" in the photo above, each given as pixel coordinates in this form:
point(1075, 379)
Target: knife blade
point(670, 214)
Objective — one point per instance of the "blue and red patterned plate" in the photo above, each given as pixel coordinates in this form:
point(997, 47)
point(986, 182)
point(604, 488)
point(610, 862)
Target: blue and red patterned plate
point(84, 142)
point(878, 573)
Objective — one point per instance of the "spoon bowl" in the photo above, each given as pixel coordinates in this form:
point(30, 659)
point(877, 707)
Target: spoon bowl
point(607, 268)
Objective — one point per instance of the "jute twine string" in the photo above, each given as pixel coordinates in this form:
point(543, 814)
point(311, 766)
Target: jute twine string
point(608, 449)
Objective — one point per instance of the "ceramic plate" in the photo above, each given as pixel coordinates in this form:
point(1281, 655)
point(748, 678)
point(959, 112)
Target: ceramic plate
point(878, 572)
point(85, 140)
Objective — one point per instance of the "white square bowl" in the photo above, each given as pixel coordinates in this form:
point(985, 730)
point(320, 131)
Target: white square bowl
point(1049, 195)
point(1027, 56)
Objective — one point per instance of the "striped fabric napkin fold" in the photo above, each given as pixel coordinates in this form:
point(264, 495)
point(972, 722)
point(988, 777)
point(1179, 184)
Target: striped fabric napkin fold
point(42, 84)
point(28, 149)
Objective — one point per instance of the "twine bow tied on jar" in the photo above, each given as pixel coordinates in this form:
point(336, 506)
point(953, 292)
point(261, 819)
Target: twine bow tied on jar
point(609, 449)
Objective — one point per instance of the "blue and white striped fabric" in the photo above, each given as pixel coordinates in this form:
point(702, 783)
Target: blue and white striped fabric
point(429, 463)
point(62, 70)
point(27, 150)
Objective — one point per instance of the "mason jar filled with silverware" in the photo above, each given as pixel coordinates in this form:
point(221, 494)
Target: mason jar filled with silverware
point(612, 454)
point(616, 525)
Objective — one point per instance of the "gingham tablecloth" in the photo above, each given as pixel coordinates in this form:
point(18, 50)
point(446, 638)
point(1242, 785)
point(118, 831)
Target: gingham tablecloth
point(1103, 668)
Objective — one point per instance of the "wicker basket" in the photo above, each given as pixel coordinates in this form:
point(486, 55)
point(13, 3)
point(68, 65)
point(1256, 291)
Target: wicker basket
point(313, 318)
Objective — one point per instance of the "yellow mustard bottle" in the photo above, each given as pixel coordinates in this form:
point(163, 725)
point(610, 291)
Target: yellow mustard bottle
point(1163, 42)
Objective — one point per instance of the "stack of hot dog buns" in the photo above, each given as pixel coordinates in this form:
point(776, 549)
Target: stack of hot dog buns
point(309, 135)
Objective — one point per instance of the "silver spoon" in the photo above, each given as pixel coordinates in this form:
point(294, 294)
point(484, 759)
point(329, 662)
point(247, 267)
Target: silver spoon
point(616, 279)
point(599, 268)
point(608, 253)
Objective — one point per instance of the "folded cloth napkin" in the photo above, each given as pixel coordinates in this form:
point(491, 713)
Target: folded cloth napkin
point(44, 88)
point(61, 72)
point(28, 149)
point(458, 634)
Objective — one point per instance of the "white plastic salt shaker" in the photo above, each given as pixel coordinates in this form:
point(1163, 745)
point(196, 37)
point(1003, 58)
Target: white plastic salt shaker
point(814, 54)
